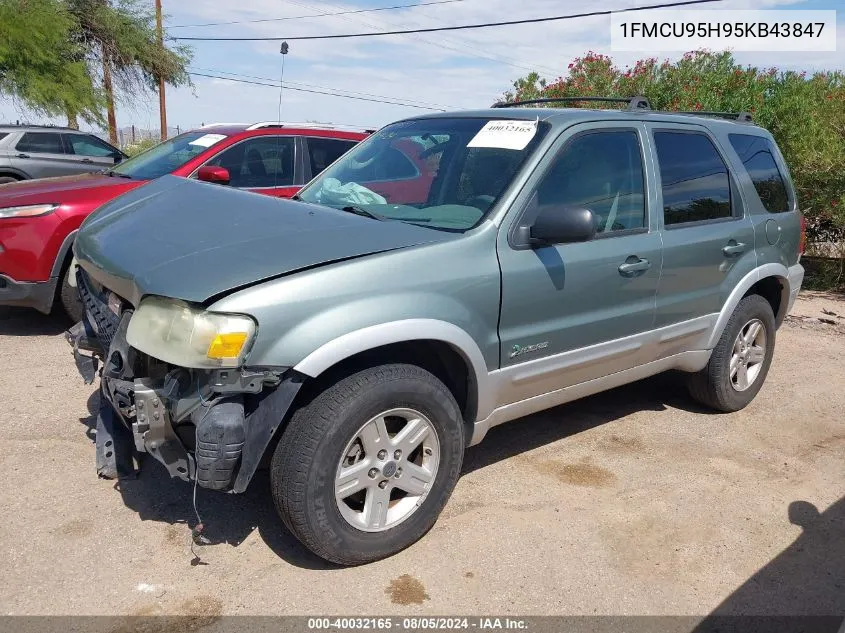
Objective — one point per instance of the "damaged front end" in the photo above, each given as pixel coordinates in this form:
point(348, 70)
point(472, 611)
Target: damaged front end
point(208, 425)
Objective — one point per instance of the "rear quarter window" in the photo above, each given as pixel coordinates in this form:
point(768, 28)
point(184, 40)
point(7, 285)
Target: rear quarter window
point(757, 156)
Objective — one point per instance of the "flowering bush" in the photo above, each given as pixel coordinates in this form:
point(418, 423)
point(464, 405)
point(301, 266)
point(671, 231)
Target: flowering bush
point(806, 114)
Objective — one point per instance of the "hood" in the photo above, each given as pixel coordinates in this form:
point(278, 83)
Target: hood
point(191, 240)
point(57, 189)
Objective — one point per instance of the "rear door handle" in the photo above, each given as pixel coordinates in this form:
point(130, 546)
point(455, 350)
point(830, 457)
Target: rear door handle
point(634, 265)
point(733, 248)
point(21, 155)
point(87, 160)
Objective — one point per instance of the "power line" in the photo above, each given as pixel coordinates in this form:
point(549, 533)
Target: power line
point(319, 92)
point(290, 83)
point(461, 27)
point(442, 43)
point(317, 15)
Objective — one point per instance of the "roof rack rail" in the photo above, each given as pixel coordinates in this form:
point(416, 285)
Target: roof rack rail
point(46, 126)
point(745, 117)
point(308, 125)
point(634, 103)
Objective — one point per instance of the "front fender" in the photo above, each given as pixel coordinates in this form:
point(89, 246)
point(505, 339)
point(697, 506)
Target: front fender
point(374, 336)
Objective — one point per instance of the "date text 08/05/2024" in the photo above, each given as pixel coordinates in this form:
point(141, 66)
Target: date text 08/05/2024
point(417, 623)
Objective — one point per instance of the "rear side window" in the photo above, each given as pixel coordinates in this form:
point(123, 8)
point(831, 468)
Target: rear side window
point(41, 143)
point(755, 152)
point(3, 135)
point(695, 181)
point(322, 152)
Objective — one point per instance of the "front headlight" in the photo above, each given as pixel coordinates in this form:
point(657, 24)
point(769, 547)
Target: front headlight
point(28, 211)
point(187, 336)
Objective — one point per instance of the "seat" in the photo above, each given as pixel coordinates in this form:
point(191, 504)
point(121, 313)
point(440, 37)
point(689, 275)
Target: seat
point(256, 167)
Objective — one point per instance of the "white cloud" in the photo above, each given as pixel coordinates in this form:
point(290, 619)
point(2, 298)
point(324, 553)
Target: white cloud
point(460, 69)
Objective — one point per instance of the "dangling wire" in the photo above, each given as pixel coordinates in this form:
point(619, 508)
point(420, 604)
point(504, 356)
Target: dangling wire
point(284, 51)
point(197, 534)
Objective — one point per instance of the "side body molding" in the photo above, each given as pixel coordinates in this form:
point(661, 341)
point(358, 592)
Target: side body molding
point(766, 270)
point(401, 331)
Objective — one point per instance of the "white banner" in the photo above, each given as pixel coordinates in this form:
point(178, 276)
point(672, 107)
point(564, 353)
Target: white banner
point(738, 30)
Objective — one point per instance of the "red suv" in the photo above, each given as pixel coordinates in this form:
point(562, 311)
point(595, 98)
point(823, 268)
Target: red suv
point(39, 218)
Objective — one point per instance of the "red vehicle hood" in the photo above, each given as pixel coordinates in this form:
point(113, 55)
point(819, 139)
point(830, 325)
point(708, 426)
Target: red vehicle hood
point(97, 188)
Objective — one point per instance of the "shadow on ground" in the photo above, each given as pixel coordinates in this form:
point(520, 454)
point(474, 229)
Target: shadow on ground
point(547, 427)
point(806, 580)
point(27, 322)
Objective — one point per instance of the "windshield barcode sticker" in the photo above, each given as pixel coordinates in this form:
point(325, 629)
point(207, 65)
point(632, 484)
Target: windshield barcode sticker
point(208, 140)
point(505, 134)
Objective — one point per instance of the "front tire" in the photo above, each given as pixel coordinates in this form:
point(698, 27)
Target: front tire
point(741, 359)
point(364, 469)
point(69, 297)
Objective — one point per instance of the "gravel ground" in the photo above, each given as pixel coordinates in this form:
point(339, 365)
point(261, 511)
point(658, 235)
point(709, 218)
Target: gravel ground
point(635, 501)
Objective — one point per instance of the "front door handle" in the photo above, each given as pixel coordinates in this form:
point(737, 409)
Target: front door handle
point(87, 160)
point(21, 155)
point(733, 248)
point(634, 265)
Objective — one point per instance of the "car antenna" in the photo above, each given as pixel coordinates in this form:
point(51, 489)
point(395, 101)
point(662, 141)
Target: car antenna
point(284, 52)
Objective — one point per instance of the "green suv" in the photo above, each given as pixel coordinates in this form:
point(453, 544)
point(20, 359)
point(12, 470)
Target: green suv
point(451, 273)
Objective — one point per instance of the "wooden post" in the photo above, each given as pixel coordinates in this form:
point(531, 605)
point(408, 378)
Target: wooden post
point(161, 103)
point(109, 88)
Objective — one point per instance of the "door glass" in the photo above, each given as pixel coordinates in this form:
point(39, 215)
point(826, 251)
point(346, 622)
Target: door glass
point(40, 143)
point(265, 161)
point(756, 154)
point(694, 178)
point(602, 172)
point(88, 146)
point(322, 152)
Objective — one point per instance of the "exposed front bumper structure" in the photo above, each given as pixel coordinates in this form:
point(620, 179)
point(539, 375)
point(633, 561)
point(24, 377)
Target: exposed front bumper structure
point(213, 426)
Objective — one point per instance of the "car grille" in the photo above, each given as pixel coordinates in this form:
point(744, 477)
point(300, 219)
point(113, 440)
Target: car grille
point(100, 316)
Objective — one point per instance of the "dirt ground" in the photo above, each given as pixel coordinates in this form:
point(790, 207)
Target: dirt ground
point(634, 501)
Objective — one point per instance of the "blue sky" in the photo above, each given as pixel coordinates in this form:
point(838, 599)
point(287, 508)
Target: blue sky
point(462, 69)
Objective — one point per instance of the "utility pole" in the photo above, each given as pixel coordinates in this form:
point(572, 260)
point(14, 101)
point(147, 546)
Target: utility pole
point(162, 109)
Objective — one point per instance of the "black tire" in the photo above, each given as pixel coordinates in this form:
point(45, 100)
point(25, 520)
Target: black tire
point(712, 386)
point(309, 452)
point(7, 179)
point(69, 297)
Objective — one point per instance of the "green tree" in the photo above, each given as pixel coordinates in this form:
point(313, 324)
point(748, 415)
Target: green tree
point(805, 114)
point(121, 47)
point(41, 67)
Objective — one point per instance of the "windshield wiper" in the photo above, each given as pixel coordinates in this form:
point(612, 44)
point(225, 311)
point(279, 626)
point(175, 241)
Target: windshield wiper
point(112, 173)
point(363, 212)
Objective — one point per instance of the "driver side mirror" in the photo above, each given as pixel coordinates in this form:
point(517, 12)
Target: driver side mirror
point(213, 173)
point(560, 224)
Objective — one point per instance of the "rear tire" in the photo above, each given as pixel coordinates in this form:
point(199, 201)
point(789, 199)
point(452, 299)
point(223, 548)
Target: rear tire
point(741, 359)
point(329, 438)
point(69, 297)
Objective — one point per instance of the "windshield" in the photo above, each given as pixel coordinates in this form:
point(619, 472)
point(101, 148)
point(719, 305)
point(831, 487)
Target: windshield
point(167, 156)
point(442, 173)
